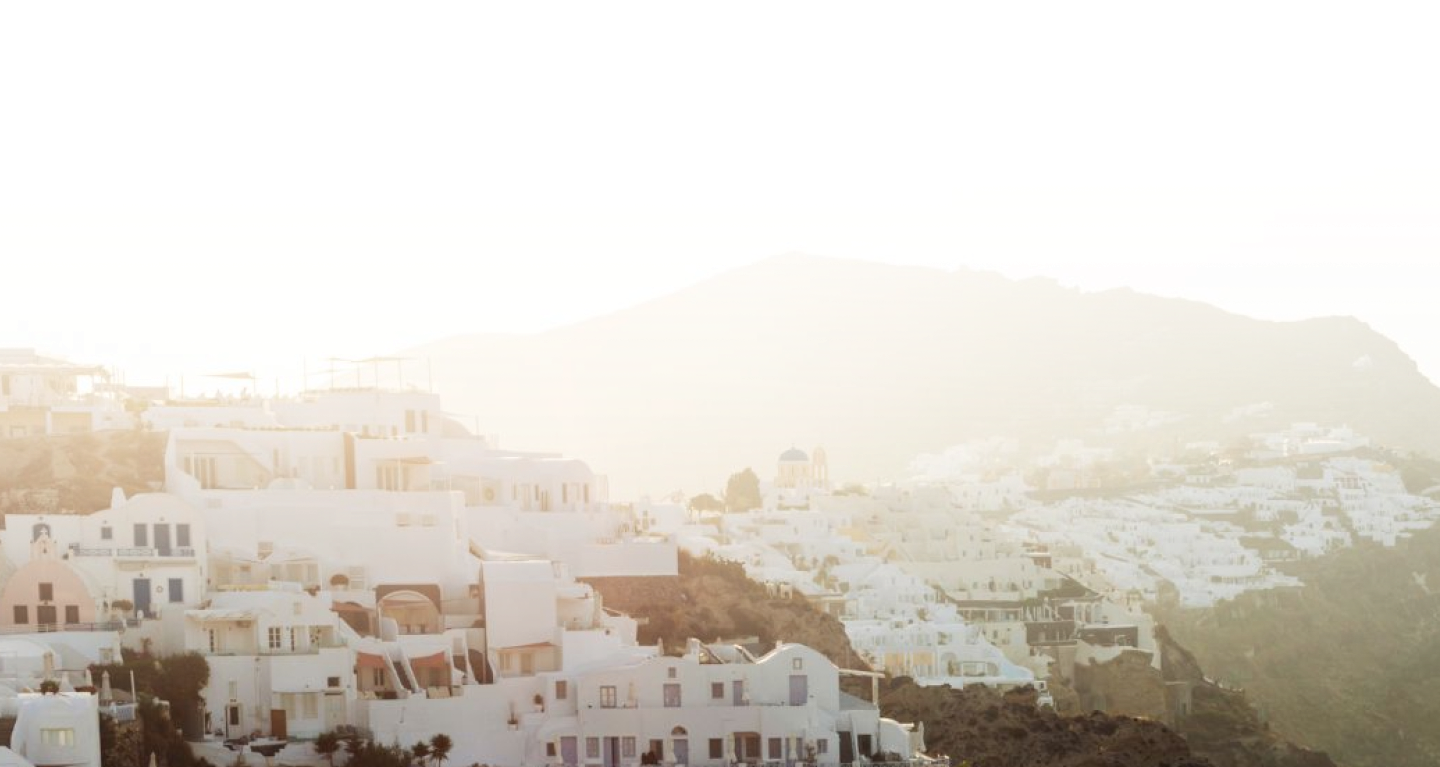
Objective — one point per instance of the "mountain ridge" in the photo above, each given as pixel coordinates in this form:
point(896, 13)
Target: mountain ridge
point(880, 363)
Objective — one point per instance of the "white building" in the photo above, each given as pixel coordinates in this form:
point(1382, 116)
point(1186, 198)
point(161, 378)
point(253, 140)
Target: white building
point(55, 728)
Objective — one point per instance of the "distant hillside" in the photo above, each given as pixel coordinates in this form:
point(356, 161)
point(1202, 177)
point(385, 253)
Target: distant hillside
point(77, 472)
point(1348, 663)
point(879, 363)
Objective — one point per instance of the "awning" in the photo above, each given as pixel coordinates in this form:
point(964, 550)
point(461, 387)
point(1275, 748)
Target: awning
point(430, 661)
point(531, 646)
point(369, 660)
point(221, 615)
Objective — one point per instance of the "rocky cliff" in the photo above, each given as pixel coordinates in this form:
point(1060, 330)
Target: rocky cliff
point(76, 473)
point(1349, 663)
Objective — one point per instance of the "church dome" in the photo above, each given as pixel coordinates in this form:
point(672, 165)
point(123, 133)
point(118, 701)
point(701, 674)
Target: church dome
point(794, 454)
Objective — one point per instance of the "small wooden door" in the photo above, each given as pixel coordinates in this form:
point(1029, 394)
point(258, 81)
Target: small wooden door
point(277, 724)
point(334, 711)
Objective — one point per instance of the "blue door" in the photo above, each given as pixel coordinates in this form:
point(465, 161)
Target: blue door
point(682, 751)
point(142, 595)
point(799, 689)
point(569, 752)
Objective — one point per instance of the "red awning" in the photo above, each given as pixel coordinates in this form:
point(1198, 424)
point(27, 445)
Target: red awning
point(430, 661)
point(369, 660)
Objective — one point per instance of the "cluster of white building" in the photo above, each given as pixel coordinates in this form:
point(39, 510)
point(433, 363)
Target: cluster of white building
point(1140, 545)
point(927, 589)
point(355, 559)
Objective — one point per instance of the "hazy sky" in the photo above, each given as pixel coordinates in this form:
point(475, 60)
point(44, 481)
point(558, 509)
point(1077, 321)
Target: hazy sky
point(198, 187)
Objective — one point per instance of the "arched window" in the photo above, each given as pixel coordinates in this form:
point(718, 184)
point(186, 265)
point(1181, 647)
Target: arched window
point(679, 732)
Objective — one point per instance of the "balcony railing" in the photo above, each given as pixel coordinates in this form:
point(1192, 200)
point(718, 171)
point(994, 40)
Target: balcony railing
point(120, 712)
point(45, 628)
point(151, 551)
point(132, 551)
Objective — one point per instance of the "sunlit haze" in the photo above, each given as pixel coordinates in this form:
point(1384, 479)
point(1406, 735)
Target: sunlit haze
point(186, 189)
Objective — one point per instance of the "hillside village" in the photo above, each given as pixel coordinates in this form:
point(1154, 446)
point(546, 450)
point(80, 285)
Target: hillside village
point(353, 559)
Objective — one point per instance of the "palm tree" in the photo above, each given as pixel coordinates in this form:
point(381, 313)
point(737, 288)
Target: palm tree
point(440, 746)
point(421, 752)
point(326, 744)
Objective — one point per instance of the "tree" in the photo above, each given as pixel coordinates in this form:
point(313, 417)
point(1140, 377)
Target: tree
point(326, 744)
point(742, 491)
point(354, 744)
point(706, 502)
point(440, 746)
point(421, 752)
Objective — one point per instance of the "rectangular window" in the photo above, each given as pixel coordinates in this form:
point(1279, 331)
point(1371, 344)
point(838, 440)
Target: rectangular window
point(672, 695)
point(627, 747)
point(409, 421)
point(56, 736)
point(274, 637)
point(142, 535)
point(657, 747)
point(177, 590)
point(106, 533)
point(234, 689)
point(72, 613)
point(550, 748)
point(592, 748)
point(47, 592)
point(717, 690)
point(287, 702)
point(332, 681)
point(309, 706)
point(774, 745)
point(822, 746)
point(45, 615)
point(215, 645)
point(22, 614)
point(717, 748)
point(377, 677)
point(562, 689)
point(182, 535)
point(607, 696)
